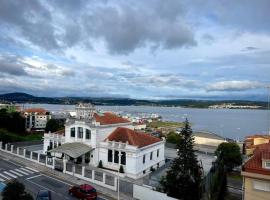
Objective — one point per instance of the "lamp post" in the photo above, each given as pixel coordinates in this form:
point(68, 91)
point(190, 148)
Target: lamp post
point(268, 108)
point(119, 162)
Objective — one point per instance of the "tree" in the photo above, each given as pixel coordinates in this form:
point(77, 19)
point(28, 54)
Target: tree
point(53, 125)
point(229, 154)
point(183, 179)
point(173, 137)
point(15, 190)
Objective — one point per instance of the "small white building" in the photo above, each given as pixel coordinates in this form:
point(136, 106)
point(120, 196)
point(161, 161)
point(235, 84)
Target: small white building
point(36, 118)
point(96, 136)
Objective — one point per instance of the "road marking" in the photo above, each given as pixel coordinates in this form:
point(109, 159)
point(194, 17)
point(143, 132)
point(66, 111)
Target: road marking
point(57, 180)
point(5, 177)
point(2, 180)
point(14, 163)
point(32, 169)
point(22, 172)
point(41, 186)
point(26, 170)
point(34, 176)
point(16, 173)
point(12, 175)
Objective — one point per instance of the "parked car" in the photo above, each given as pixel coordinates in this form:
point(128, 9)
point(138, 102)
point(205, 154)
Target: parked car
point(85, 191)
point(44, 195)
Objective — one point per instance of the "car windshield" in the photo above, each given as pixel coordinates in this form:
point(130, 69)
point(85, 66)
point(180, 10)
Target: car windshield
point(90, 191)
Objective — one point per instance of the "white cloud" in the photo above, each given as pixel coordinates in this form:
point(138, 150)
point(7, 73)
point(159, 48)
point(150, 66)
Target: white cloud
point(234, 85)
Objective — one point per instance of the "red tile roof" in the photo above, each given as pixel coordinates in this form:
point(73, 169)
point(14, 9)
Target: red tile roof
point(134, 138)
point(60, 132)
point(109, 118)
point(254, 164)
point(257, 136)
point(36, 110)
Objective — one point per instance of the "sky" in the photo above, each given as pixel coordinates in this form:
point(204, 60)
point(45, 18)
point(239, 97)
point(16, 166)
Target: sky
point(154, 49)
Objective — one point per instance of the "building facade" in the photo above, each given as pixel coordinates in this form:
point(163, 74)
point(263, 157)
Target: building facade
point(256, 174)
point(36, 118)
point(252, 141)
point(110, 139)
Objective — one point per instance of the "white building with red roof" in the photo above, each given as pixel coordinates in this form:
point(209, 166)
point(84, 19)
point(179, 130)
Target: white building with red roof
point(106, 137)
point(36, 118)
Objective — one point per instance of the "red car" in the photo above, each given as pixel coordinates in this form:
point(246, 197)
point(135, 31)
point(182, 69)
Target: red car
point(85, 192)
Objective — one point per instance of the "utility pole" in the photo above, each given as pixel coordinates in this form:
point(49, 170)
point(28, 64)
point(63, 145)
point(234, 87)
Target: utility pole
point(268, 109)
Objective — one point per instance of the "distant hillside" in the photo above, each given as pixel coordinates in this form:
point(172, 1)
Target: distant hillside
point(189, 103)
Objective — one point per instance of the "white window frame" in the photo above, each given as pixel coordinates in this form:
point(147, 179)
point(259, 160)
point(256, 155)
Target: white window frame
point(267, 163)
point(261, 185)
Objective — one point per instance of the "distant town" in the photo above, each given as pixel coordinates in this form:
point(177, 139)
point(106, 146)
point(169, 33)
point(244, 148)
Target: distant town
point(186, 103)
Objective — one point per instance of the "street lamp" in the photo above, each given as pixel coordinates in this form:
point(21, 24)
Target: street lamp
point(119, 162)
point(268, 108)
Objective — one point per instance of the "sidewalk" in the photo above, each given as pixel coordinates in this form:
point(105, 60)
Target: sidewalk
point(105, 193)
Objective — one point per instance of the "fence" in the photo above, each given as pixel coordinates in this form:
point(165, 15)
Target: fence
point(88, 173)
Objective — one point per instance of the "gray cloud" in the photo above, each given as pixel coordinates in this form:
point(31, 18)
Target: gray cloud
point(31, 20)
point(125, 26)
point(11, 65)
point(234, 85)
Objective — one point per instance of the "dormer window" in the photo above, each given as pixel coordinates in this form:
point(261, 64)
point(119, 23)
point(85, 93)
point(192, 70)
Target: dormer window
point(267, 164)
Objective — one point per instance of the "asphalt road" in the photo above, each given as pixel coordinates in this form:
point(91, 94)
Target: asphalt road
point(33, 180)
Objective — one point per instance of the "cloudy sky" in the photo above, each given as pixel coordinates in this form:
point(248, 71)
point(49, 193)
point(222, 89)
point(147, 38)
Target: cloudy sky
point(152, 49)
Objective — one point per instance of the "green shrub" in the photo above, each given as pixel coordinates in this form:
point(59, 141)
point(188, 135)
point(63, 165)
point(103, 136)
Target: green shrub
point(121, 169)
point(100, 165)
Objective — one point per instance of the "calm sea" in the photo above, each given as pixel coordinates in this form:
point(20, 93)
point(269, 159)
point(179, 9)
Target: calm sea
point(235, 124)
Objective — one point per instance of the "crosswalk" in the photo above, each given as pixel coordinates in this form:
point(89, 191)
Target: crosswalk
point(16, 173)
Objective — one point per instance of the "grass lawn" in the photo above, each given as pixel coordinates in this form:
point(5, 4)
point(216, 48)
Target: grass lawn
point(157, 124)
point(7, 136)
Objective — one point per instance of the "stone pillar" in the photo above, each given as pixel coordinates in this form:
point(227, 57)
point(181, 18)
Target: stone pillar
point(6, 146)
point(18, 150)
point(24, 152)
point(31, 155)
point(119, 158)
point(53, 164)
point(104, 176)
point(11, 148)
point(84, 134)
point(76, 133)
point(46, 160)
point(83, 159)
point(64, 165)
point(83, 170)
point(38, 157)
point(1, 143)
point(113, 155)
point(93, 174)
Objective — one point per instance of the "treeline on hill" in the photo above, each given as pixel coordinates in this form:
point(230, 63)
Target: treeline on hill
point(189, 103)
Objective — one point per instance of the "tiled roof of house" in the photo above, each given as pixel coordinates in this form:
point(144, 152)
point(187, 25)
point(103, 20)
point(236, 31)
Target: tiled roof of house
point(109, 118)
point(36, 110)
point(254, 164)
point(134, 138)
point(249, 140)
point(60, 132)
point(250, 137)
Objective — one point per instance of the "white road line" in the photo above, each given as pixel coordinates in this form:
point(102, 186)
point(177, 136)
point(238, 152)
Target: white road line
point(5, 177)
point(32, 169)
point(12, 175)
point(57, 180)
point(22, 172)
point(2, 180)
point(40, 186)
point(34, 176)
point(16, 173)
point(26, 170)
